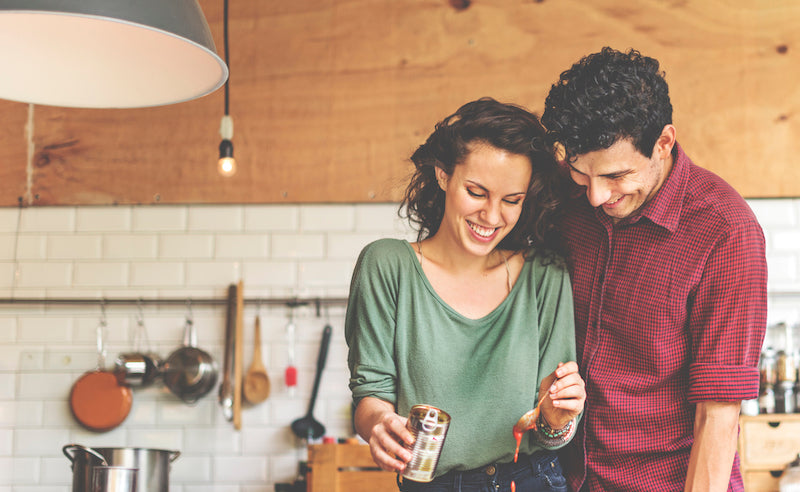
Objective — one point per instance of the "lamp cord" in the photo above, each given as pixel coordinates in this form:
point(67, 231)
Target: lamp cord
point(225, 42)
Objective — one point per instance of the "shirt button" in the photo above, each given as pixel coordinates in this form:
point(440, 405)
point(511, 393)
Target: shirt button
point(490, 470)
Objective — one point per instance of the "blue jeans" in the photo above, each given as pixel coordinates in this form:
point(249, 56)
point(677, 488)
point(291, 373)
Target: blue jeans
point(538, 472)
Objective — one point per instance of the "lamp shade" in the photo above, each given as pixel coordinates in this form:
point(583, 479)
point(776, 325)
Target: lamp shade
point(107, 53)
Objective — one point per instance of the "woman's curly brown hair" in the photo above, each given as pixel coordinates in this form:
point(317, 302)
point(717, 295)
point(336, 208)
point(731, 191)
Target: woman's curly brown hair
point(503, 126)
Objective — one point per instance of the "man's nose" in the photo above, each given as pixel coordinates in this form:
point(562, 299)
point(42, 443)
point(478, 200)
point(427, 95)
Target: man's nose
point(597, 193)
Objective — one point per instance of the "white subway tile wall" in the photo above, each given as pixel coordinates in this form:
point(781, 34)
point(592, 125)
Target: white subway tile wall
point(189, 252)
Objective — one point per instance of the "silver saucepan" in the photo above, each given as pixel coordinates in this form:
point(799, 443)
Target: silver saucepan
point(188, 372)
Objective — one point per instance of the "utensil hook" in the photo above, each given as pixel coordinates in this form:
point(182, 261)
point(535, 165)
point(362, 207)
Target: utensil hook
point(101, 351)
point(189, 315)
point(139, 334)
point(189, 334)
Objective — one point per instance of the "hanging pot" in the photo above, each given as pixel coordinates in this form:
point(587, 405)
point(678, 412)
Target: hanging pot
point(153, 465)
point(188, 372)
point(139, 367)
point(97, 399)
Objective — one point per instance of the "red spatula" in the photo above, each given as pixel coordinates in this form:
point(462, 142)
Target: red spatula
point(290, 375)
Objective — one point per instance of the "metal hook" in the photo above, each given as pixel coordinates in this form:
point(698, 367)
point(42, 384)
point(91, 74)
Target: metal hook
point(189, 316)
point(103, 312)
point(140, 312)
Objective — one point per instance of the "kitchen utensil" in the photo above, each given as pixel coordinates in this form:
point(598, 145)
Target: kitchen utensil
point(256, 381)
point(136, 369)
point(97, 400)
point(290, 375)
point(114, 479)
point(226, 388)
point(237, 357)
point(139, 367)
point(189, 372)
point(153, 465)
point(525, 423)
point(307, 427)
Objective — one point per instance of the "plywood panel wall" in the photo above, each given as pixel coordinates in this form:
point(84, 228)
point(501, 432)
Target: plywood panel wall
point(330, 97)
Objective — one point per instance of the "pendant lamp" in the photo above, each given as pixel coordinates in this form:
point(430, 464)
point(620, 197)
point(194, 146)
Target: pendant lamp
point(107, 53)
point(226, 165)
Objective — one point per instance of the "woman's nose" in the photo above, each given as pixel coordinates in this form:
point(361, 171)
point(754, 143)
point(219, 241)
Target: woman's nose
point(491, 212)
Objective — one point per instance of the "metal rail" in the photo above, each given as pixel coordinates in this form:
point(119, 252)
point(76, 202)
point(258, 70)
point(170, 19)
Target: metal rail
point(291, 302)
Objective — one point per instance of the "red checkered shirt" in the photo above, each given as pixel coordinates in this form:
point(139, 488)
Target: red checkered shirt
point(670, 310)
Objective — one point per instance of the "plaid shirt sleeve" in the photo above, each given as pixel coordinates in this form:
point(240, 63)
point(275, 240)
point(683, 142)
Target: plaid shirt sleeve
point(725, 323)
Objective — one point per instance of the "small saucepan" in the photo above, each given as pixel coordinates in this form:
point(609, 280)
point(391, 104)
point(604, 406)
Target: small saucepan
point(188, 372)
point(136, 369)
point(139, 367)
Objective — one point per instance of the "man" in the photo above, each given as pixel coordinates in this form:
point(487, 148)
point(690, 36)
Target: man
point(669, 281)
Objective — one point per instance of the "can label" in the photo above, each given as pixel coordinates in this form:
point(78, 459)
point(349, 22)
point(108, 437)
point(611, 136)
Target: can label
point(429, 426)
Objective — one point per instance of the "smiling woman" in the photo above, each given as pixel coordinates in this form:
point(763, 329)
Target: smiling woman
point(475, 318)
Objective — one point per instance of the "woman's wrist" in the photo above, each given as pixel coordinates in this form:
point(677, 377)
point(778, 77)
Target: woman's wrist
point(562, 432)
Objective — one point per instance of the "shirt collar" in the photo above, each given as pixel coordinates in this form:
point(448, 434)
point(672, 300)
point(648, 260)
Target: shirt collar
point(664, 209)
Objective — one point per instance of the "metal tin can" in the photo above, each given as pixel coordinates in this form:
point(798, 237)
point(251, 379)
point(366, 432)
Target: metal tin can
point(429, 426)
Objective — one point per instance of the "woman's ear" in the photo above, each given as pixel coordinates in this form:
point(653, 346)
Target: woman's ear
point(442, 178)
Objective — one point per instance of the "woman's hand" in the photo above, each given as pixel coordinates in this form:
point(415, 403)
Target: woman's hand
point(384, 430)
point(566, 395)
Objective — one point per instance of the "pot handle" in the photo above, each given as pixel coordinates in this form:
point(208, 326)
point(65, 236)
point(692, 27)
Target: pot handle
point(174, 455)
point(72, 447)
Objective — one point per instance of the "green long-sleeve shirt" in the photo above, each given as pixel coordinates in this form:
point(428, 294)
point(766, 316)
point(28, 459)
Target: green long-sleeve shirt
point(407, 346)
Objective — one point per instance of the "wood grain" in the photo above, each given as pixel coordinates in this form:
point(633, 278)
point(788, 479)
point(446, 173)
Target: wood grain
point(346, 468)
point(330, 97)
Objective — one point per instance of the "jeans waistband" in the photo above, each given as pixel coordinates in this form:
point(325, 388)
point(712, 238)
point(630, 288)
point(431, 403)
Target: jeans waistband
point(494, 470)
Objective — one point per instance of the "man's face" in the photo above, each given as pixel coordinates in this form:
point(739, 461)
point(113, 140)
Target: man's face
point(620, 179)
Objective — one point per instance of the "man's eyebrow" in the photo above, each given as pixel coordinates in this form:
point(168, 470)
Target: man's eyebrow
point(616, 174)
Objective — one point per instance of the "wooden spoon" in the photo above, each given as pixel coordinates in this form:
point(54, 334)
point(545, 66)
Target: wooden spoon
point(256, 382)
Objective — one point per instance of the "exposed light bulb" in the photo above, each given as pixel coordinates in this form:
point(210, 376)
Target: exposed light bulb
point(226, 165)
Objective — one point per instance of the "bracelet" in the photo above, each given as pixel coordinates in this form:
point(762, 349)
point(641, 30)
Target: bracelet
point(549, 432)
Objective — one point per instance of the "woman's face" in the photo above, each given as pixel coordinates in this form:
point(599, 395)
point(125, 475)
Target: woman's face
point(484, 197)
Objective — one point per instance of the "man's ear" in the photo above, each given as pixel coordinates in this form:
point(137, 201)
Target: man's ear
point(665, 142)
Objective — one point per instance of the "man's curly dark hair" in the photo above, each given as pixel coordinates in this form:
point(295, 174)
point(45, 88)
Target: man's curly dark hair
point(507, 127)
point(606, 97)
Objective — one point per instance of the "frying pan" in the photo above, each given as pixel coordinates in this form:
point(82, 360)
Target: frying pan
point(308, 427)
point(97, 399)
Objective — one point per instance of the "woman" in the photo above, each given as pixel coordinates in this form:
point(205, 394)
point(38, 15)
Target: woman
point(474, 317)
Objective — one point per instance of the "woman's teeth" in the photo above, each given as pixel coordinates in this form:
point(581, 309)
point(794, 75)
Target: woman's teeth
point(482, 231)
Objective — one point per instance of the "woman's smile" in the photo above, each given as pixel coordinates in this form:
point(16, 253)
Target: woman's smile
point(483, 198)
point(485, 233)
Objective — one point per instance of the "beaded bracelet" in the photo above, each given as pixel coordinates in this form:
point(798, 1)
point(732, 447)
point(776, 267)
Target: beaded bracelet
point(549, 432)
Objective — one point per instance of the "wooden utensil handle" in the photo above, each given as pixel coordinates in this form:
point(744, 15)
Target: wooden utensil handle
point(237, 359)
point(257, 341)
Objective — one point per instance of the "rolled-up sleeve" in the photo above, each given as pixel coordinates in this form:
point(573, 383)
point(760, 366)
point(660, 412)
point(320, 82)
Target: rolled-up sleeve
point(370, 326)
point(728, 320)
